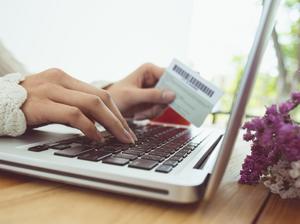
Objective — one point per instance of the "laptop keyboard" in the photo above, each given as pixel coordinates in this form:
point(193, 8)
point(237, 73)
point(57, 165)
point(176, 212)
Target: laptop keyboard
point(159, 147)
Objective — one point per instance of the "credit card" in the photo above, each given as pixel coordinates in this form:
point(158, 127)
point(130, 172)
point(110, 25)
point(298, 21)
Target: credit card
point(195, 96)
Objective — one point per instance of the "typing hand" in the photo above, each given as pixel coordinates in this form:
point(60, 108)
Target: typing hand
point(135, 95)
point(55, 97)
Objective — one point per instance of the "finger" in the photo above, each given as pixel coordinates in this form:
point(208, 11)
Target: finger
point(150, 113)
point(93, 106)
point(74, 84)
point(152, 69)
point(151, 74)
point(155, 96)
point(64, 114)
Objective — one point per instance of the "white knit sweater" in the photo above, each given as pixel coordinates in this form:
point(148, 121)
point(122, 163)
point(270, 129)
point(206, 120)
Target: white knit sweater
point(12, 97)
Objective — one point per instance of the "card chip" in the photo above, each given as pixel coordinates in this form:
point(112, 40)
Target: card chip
point(195, 83)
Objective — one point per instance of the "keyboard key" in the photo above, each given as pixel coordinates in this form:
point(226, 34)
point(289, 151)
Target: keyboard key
point(95, 155)
point(189, 147)
point(169, 150)
point(73, 151)
point(158, 152)
point(60, 146)
point(192, 144)
point(184, 150)
point(38, 148)
point(151, 157)
point(176, 158)
point(126, 156)
point(144, 148)
point(134, 152)
point(164, 169)
point(110, 149)
point(83, 140)
point(116, 161)
point(123, 147)
point(143, 164)
point(181, 154)
point(171, 163)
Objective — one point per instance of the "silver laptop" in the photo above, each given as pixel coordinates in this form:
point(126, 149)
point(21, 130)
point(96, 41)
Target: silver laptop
point(171, 163)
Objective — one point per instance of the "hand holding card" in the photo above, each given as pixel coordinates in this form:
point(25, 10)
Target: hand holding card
point(195, 96)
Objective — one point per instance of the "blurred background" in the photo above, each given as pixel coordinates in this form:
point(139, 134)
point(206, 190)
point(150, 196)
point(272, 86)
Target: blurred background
point(101, 39)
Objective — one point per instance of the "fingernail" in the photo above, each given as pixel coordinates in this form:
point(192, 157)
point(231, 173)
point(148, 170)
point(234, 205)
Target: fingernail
point(168, 95)
point(133, 135)
point(128, 137)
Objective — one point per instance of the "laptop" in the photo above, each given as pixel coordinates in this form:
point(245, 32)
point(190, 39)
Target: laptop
point(171, 163)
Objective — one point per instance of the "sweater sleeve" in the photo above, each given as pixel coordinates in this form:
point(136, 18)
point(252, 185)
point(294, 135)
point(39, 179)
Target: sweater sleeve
point(12, 96)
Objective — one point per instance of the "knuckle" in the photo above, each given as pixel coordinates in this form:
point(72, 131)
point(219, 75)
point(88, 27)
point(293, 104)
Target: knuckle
point(105, 96)
point(94, 100)
point(74, 113)
point(56, 73)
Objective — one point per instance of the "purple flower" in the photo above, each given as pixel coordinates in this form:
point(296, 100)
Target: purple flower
point(273, 136)
point(272, 110)
point(296, 97)
point(286, 107)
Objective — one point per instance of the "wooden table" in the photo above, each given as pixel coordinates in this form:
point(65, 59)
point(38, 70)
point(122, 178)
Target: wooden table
point(30, 200)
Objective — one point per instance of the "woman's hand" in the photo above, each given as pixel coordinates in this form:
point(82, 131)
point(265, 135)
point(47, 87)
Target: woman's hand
point(135, 95)
point(55, 97)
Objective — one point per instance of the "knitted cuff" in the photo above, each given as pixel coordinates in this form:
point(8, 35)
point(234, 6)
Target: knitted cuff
point(12, 96)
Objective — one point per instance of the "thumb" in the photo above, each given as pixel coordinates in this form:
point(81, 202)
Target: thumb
point(155, 96)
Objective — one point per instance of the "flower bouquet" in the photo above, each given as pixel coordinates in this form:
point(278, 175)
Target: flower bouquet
point(275, 150)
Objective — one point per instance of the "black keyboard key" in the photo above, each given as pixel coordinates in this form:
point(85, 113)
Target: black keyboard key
point(123, 147)
point(38, 148)
point(143, 164)
point(158, 152)
point(185, 150)
point(192, 145)
point(181, 154)
point(134, 152)
point(144, 148)
point(60, 146)
point(110, 149)
point(176, 158)
point(189, 147)
point(170, 162)
point(126, 156)
point(95, 155)
point(151, 157)
point(164, 168)
point(116, 161)
point(73, 151)
point(169, 150)
point(83, 140)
